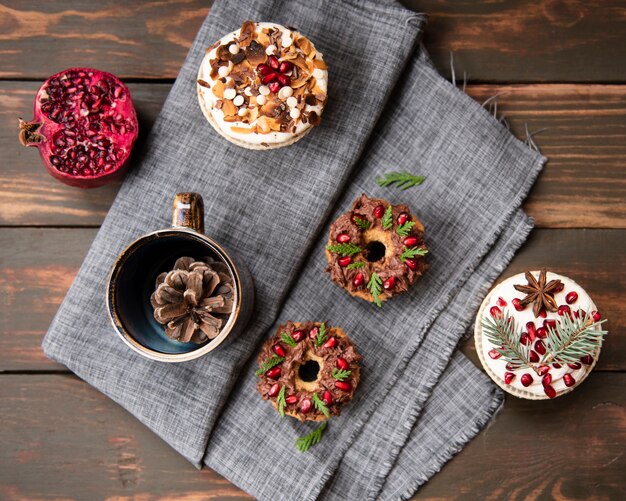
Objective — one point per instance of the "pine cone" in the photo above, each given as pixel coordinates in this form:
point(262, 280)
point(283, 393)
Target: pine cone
point(186, 299)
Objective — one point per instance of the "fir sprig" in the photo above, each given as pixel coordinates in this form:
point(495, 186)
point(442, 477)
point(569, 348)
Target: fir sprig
point(280, 401)
point(387, 220)
point(320, 405)
point(409, 253)
point(573, 339)
point(403, 180)
point(502, 332)
point(340, 374)
point(363, 224)
point(273, 361)
point(404, 229)
point(320, 338)
point(375, 286)
point(287, 339)
point(347, 249)
point(303, 444)
point(357, 264)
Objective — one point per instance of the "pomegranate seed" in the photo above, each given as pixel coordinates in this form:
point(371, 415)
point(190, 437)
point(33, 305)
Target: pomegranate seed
point(291, 399)
point(285, 67)
point(379, 211)
point(543, 314)
point(273, 373)
point(517, 305)
point(540, 347)
point(411, 263)
point(306, 405)
point(556, 365)
point(284, 80)
point(509, 367)
point(542, 332)
point(501, 302)
point(587, 360)
point(532, 331)
point(270, 77)
point(569, 380)
point(526, 379)
point(563, 309)
point(274, 87)
point(524, 339)
point(495, 354)
point(550, 391)
point(543, 370)
point(574, 366)
point(314, 332)
point(596, 316)
point(342, 363)
point(273, 62)
point(403, 218)
point(508, 377)
point(571, 297)
point(534, 358)
point(495, 312)
point(389, 283)
point(343, 385)
point(327, 398)
point(279, 350)
point(330, 343)
point(410, 241)
point(359, 280)
point(546, 380)
point(343, 238)
point(298, 336)
point(549, 324)
point(274, 389)
point(344, 261)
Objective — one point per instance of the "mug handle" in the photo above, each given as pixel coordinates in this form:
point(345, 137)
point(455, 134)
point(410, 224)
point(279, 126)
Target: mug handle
point(188, 212)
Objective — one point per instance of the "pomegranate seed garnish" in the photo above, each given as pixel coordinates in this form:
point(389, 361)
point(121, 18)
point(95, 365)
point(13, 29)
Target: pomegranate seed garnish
point(389, 283)
point(274, 87)
point(549, 324)
point(306, 405)
point(284, 80)
point(410, 241)
point(327, 398)
point(264, 69)
point(543, 314)
point(524, 339)
point(359, 280)
point(274, 389)
point(546, 380)
point(569, 380)
point(542, 332)
point(411, 263)
point(273, 373)
point(286, 67)
point(291, 399)
point(587, 360)
point(544, 369)
point(403, 218)
point(540, 347)
point(330, 342)
point(495, 354)
point(298, 336)
point(508, 377)
point(510, 367)
point(574, 366)
point(314, 332)
point(273, 62)
point(343, 238)
point(534, 358)
point(517, 305)
point(279, 350)
point(343, 385)
point(571, 297)
point(549, 390)
point(532, 331)
point(501, 302)
point(556, 365)
point(342, 363)
point(495, 312)
point(596, 316)
point(526, 379)
point(379, 211)
point(344, 261)
point(563, 309)
point(270, 77)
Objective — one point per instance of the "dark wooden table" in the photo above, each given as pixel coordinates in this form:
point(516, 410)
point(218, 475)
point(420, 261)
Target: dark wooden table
point(558, 65)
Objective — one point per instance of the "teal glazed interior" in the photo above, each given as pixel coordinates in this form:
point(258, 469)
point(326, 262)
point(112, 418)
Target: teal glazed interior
point(133, 282)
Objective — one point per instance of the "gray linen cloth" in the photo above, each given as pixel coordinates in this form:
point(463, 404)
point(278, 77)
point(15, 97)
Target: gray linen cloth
point(388, 109)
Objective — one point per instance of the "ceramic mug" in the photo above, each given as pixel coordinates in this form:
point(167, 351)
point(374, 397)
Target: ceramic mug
point(132, 281)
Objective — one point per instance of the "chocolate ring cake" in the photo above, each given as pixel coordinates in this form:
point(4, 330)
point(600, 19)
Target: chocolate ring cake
point(376, 250)
point(263, 86)
point(308, 370)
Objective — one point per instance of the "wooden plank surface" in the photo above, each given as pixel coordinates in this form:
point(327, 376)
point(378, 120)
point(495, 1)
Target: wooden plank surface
point(513, 41)
point(37, 266)
point(584, 184)
point(63, 440)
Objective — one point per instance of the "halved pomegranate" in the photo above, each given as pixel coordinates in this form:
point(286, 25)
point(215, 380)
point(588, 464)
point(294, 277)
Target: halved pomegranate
point(85, 125)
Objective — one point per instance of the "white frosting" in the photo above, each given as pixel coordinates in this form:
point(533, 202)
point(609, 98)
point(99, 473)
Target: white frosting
point(209, 99)
point(507, 292)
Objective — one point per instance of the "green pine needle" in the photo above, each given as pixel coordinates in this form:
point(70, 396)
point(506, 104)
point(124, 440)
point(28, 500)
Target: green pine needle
point(355, 265)
point(320, 405)
point(412, 252)
point(375, 286)
point(280, 401)
point(273, 361)
point(573, 339)
point(320, 338)
point(344, 249)
point(341, 375)
point(403, 180)
point(503, 333)
point(405, 229)
point(387, 220)
point(303, 444)
point(364, 224)
point(287, 339)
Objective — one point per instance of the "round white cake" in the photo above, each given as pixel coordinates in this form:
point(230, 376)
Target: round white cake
point(263, 86)
point(544, 377)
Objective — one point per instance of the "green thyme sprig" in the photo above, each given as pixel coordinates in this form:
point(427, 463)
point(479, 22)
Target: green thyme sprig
point(320, 405)
point(375, 286)
point(340, 374)
point(320, 338)
point(387, 220)
point(280, 401)
point(409, 253)
point(273, 361)
point(355, 265)
point(303, 444)
point(287, 339)
point(363, 224)
point(404, 229)
point(403, 180)
point(344, 249)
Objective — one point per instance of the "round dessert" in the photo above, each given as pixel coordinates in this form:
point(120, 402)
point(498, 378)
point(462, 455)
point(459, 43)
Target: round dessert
point(308, 370)
point(263, 86)
point(538, 335)
point(376, 250)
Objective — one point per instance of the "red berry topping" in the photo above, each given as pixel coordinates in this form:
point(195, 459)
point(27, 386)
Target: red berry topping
point(495, 354)
point(298, 336)
point(403, 218)
point(532, 331)
point(273, 62)
point(526, 379)
point(563, 309)
point(344, 261)
point(291, 399)
point(534, 358)
point(508, 377)
point(270, 77)
point(273, 373)
point(540, 347)
point(517, 305)
point(575, 366)
point(343, 385)
point(556, 366)
point(596, 316)
point(327, 398)
point(330, 342)
point(274, 87)
point(314, 332)
point(571, 297)
point(524, 339)
point(343, 238)
point(389, 283)
point(542, 332)
point(284, 80)
point(285, 67)
point(359, 280)
point(379, 211)
point(264, 69)
point(279, 350)
point(546, 380)
point(544, 369)
point(411, 263)
point(587, 360)
point(549, 324)
point(495, 312)
point(543, 314)
point(569, 380)
point(410, 241)
point(274, 389)
point(501, 302)
point(550, 391)
point(342, 363)
point(306, 405)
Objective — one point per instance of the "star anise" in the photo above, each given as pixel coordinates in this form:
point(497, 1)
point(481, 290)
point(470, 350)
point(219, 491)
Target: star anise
point(193, 300)
point(540, 293)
